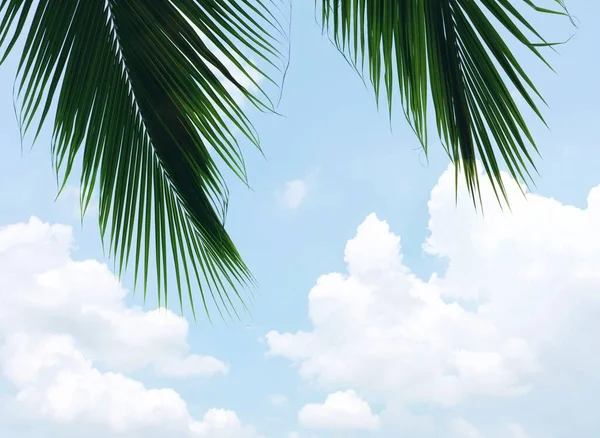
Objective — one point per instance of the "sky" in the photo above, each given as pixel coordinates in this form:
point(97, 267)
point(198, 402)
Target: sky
point(383, 309)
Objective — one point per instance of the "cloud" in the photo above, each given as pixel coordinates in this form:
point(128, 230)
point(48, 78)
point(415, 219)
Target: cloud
point(278, 399)
point(57, 383)
point(294, 193)
point(461, 428)
point(70, 200)
point(248, 76)
point(340, 411)
point(515, 430)
point(518, 303)
point(67, 339)
point(45, 291)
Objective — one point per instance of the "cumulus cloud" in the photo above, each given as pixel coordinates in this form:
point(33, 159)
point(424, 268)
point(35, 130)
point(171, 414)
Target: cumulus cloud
point(519, 294)
point(45, 291)
point(343, 410)
point(67, 338)
point(57, 383)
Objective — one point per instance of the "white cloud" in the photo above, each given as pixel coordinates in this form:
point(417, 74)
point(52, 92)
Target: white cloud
point(220, 423)
point(56, 382)
point(248, 77)
point(294, 193)
point(295, 434)
point(45, 291)
point(70, 199)
point(340, 411)
point(461, 428)
point(278, 399)
point(66, 337)
point(515, 430)
point(520, 295)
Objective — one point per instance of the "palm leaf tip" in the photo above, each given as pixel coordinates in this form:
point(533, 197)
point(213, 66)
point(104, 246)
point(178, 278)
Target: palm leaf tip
point(139, 97)
point(450, 53)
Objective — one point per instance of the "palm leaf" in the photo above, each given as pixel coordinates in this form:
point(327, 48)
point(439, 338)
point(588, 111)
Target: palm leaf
point(137, 91)
point(451, 52)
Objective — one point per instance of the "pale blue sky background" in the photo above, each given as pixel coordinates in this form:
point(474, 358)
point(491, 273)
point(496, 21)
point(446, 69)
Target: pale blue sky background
point(333, 132)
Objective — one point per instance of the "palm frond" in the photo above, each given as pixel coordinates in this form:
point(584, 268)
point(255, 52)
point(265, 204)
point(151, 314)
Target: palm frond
point(452, 52)
point(137, 92)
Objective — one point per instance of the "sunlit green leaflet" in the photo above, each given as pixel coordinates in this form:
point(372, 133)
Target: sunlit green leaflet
point(137, 97)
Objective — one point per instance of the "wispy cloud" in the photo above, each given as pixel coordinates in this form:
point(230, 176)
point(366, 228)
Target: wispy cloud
point(295, 192)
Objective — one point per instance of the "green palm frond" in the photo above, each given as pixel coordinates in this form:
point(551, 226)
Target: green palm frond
point(142, 92)
point(449, 51)
point(139, 94)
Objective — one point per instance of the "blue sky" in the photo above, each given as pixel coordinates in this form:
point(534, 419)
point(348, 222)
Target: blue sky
point(499, 344)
